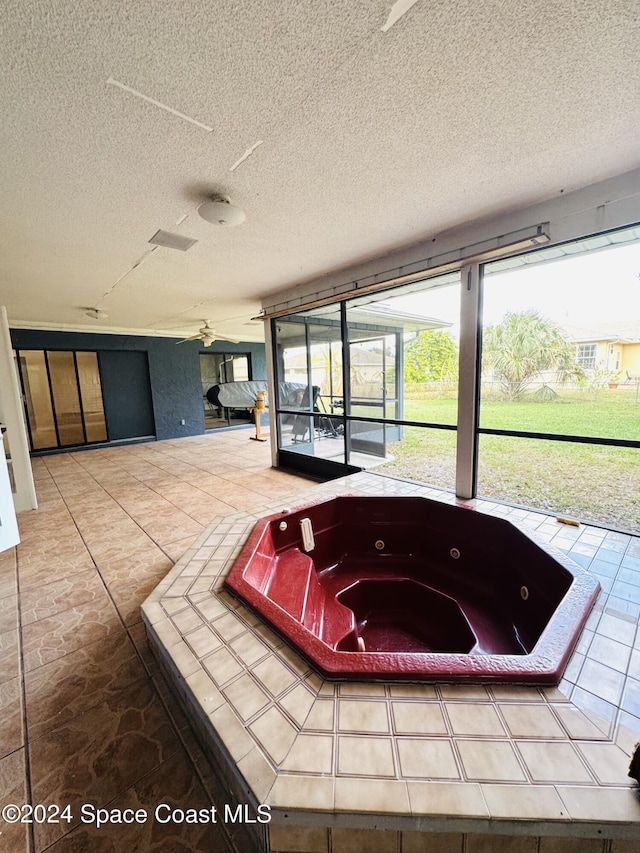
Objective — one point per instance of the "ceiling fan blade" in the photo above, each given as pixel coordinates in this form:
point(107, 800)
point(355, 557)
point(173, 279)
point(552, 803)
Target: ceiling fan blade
point(225, 338)
point(192, 338)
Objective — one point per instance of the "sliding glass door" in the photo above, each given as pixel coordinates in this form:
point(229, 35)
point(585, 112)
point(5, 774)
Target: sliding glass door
point(372, 393)
point(62, 394)
point(216, 369)
point(309, 367)
point(372, 383)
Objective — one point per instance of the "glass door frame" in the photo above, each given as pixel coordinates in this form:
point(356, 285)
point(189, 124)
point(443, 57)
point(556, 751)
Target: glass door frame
point(329, 468)
point(306, 463)
point(372, 401)
point(59, 445)
point(227, 356)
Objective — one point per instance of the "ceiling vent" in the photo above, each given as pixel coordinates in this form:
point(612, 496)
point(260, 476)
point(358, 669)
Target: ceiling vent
point(172, 241)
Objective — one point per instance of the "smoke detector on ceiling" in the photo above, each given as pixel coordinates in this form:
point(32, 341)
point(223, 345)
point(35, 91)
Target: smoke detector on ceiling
point(96, 314)
point(220, 211)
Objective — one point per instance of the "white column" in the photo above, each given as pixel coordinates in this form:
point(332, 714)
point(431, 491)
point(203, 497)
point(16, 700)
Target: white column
point(468, 380)
point(13, 418)
point(9, 535)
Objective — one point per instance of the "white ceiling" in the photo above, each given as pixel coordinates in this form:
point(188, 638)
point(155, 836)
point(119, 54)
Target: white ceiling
point(370, 140)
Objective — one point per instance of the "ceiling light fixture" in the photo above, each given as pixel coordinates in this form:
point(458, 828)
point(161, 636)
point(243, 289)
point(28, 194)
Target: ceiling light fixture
point(220, 211)
point(96, 314)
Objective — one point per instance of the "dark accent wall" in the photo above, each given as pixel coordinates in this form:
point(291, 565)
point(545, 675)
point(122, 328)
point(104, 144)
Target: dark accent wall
point(174, 370)
point(126, 393)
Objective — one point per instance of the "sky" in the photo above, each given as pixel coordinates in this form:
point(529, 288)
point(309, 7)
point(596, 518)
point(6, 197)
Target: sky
point(600, 287)
point(583, 290)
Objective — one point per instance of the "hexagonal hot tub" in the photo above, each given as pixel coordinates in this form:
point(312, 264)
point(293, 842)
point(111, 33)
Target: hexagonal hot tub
point(408, 588)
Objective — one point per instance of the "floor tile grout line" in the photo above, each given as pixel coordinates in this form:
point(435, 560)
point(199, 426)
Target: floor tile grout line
point(104, 584)
point(127, 513)
point(148, 677)
point(27, 742)
point(614, 724)
point(106, 805)
point(182, 741)
point(231, 507)
point(139, 655)
point(180, 481)
point(23, 688)
point(106, 590)
point(145, 675)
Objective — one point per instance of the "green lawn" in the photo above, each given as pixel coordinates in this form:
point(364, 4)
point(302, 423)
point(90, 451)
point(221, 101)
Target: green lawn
point(589, 482)
point(614, 414)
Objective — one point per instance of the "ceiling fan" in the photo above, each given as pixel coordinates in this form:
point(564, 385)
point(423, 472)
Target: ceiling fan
point(208, 335)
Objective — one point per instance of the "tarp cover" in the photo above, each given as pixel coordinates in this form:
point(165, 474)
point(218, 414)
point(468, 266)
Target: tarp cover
point(240, 395)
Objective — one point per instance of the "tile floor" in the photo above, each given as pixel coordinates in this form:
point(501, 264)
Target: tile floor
point(85, 716)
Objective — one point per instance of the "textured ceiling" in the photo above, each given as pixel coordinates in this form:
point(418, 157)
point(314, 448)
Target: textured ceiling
point(369, 140)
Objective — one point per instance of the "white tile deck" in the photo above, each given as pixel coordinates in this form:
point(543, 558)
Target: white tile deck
point(475, 759)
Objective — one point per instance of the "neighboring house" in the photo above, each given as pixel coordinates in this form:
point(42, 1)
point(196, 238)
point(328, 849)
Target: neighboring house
point(613, 347)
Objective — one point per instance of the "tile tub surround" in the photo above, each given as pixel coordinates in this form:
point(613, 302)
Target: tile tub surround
point(408, 760)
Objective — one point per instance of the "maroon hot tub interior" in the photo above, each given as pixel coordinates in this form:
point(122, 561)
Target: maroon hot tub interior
point(408, 588)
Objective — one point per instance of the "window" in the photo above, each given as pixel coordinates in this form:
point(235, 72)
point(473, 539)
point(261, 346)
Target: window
point(586, 355)
point(559, 427)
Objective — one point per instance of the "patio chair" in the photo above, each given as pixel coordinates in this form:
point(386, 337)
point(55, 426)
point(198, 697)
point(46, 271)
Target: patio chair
point(300, 424)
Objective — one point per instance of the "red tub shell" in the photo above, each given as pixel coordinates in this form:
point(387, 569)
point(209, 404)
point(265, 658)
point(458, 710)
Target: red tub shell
point(405, 588)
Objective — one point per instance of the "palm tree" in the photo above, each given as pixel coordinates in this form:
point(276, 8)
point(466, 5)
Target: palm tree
point(521, 346)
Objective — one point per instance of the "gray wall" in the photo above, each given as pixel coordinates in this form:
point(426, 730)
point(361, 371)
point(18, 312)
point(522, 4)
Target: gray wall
point(174, 370)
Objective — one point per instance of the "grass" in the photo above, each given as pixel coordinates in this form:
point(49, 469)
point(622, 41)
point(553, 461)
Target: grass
point(614, 414)
point(588, 482)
